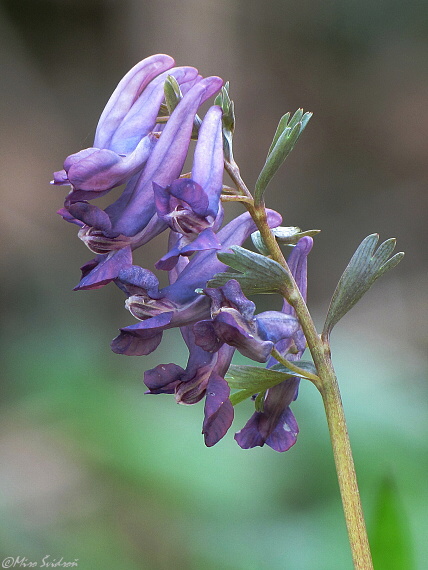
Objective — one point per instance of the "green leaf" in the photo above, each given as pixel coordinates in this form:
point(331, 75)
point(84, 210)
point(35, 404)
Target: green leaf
point(286, 135)
point(390, 537)
point(257, 273)
point(254, 378)
point(362, 271)
point(284, 235)
point(250, 380)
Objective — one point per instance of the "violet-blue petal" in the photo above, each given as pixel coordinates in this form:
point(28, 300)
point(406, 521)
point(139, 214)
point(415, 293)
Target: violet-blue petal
point(205, 264)
point(126, 93)
point(275, 325)
point(97, 170)
point(141, 117)
point(184, 190)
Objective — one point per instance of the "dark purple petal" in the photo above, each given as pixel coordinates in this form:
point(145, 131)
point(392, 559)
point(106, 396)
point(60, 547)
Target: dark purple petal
point(65, 214)
point(143, 338)
point(163, 379)
point(218, 410)
point(206, 336)
point(276, 425)
point(105, 270)
point(206, 240)
point(91, 215)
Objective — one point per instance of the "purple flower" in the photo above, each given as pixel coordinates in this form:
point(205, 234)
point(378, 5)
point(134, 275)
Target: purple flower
point(123, 140)
point(276, 425)
point(191, 206)
point(203, 376)
point(233, 322)
point(179, 303)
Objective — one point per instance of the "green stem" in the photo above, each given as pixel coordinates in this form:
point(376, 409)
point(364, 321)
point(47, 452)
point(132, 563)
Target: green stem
point(328, 387)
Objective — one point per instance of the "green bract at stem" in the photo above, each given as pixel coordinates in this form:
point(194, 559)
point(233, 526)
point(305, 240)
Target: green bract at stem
point(327, 385)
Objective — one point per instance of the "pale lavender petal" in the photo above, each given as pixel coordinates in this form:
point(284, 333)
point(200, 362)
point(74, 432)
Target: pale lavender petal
point(126, 93)
point(208, 162)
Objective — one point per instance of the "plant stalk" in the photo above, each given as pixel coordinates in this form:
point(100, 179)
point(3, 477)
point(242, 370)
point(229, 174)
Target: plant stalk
point(328, 387)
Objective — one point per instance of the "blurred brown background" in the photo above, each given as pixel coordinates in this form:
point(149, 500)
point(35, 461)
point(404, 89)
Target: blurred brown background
point(360, 167)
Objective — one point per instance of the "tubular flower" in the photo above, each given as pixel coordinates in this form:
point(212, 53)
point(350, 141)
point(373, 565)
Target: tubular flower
point(276, 425)
point(191, 206)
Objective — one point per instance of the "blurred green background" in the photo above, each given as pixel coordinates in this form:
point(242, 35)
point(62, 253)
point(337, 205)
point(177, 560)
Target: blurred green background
point(91, 469)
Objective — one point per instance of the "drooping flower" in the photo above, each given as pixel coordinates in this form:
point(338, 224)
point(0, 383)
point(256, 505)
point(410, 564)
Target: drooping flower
point(276, 425)
point(191, 206)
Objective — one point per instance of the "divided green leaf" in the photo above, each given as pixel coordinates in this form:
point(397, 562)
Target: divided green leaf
point(286, 135)
point(256, 273)
point(251, 380)
point(365, 267)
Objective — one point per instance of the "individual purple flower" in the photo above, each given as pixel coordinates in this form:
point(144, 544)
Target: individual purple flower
point(276, 425)
point(191, 206)
point(233, 322)
point(123, 140)
point(179, 303)
point(203, 376)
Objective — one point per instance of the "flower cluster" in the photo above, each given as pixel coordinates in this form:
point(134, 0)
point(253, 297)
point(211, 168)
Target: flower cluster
point(142, 143)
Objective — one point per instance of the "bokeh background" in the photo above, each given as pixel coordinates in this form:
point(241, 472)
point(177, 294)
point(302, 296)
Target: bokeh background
point(91, 469)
